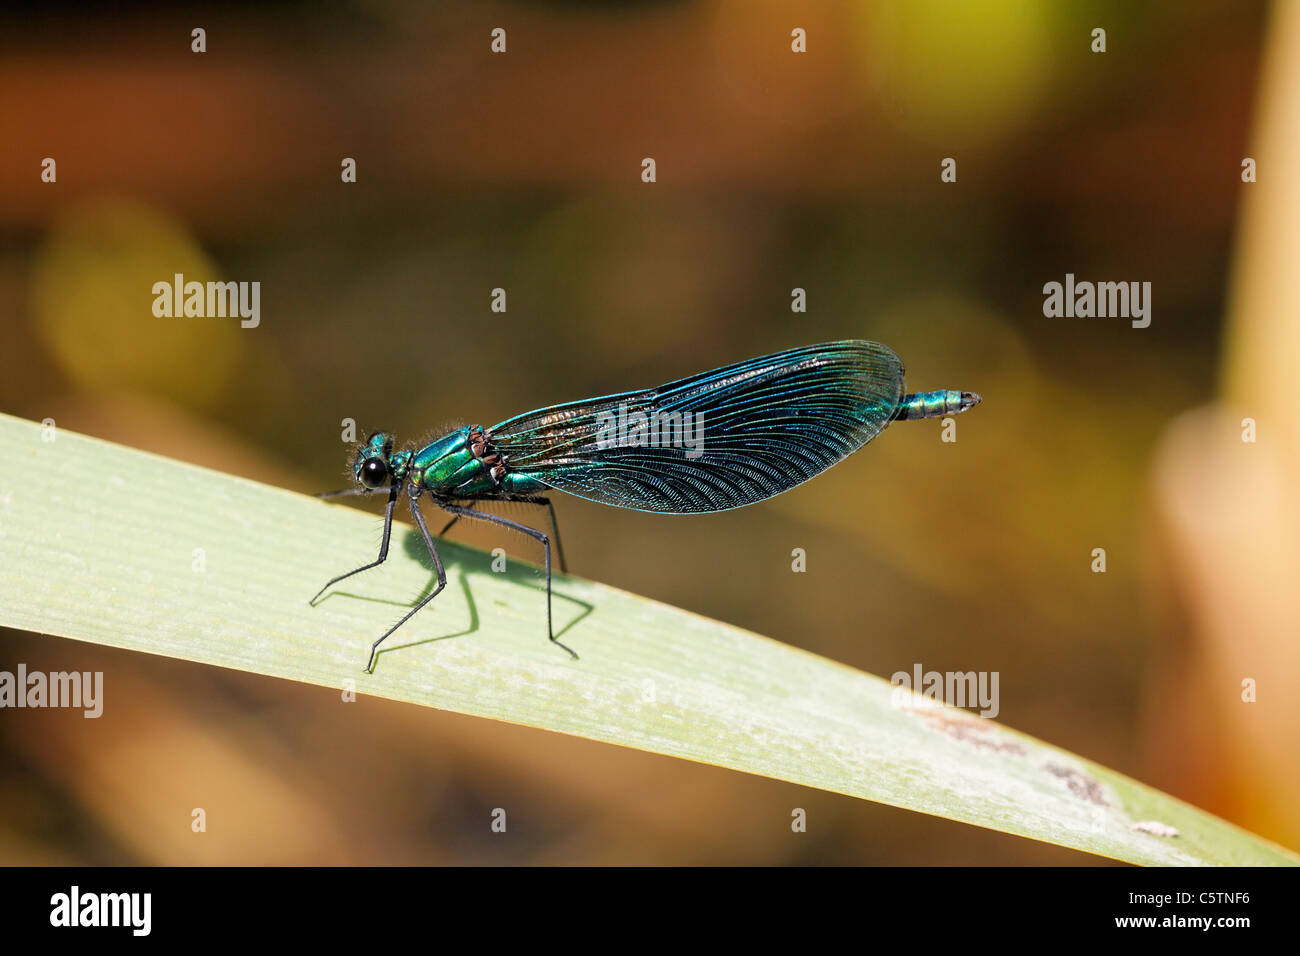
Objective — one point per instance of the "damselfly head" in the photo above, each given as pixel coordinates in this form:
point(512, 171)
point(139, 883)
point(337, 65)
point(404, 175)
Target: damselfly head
point(371, 466)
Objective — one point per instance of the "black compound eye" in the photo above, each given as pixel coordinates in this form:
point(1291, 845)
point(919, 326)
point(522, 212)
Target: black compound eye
point(374, 473)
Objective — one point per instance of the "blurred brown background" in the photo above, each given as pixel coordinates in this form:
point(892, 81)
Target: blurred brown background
point(775, 171)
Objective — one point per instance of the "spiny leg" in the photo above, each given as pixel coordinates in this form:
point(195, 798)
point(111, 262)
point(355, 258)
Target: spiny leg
point(455, 518)
point(526, 500)
point(523, 529)
point(437, 564)
point(555, 525)
point(383, 547)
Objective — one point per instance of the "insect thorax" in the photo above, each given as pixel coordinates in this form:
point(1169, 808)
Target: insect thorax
point(461, 464)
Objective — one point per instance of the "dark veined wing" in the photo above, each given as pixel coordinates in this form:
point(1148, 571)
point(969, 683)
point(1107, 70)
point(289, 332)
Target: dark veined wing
point(766, 425)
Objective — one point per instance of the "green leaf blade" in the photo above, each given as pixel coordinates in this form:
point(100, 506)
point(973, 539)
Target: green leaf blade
point(102, 548)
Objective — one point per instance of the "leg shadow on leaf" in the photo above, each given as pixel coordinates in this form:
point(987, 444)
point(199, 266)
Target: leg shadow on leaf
point(461, 559)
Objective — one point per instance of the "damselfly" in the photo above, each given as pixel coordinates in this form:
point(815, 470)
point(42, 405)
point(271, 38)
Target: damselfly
point(715, 441)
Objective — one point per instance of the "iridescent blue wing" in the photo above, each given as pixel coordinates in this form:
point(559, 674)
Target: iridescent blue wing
point(764, 426)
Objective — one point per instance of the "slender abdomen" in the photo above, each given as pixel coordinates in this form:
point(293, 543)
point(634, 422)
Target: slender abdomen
point(945, 401)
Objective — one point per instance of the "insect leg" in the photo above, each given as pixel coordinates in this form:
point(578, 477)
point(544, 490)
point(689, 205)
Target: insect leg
point(383, 546)
point(342, 493)
point(522, 529)
point(447, 526)
point(555, 525)
point(414, 493)
point(527, 500)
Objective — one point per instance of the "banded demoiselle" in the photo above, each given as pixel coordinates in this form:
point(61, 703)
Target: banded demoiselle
point(712, 442)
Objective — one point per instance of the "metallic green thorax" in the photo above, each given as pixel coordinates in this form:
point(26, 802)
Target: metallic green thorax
point(464, 464)
point(450, 465)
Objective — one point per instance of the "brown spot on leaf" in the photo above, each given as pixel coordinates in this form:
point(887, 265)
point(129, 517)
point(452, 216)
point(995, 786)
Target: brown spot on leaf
point(969, 729)
point(1080, 784)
